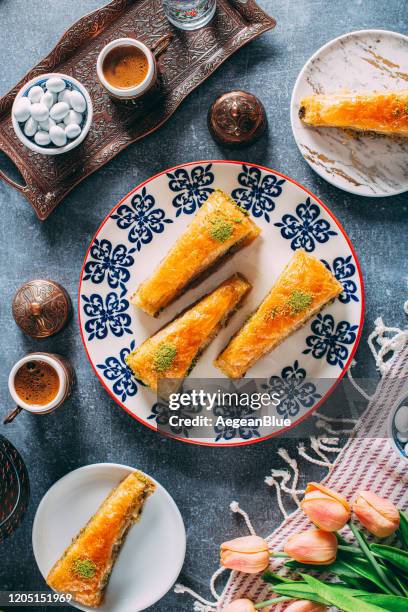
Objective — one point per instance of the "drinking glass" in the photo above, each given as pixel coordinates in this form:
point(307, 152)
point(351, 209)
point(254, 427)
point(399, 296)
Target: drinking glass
point(189, 14)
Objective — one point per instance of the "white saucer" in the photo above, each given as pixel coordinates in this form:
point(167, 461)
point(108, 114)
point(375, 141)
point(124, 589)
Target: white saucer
point(150, 559)
point(364, 164)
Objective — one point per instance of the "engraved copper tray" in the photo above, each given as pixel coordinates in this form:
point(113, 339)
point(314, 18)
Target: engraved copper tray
point(188, 61)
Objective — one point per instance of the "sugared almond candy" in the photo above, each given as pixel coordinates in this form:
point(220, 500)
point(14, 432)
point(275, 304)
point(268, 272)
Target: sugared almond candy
point(72, 130)
point(58, 136)
point(55, 84)
point(35, 94)
point(47, 99)
point(22, 109)
point(30, 127)
point(59, 111)
point(39, 111)
point(64, 96)
point(45, 125)
point(42, 138)
point(73, 117)
point(77, 101)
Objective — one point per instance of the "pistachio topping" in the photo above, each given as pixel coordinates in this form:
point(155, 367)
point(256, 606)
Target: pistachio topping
point(84, 567)
point(299, 301)
point(164, 357)
point(220, 229)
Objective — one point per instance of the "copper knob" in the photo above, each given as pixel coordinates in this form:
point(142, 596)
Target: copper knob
point(41, 308)
point(236, 118)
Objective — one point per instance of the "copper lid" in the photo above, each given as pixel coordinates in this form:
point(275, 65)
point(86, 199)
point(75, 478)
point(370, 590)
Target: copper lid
point(41, 308)
point(236, 118)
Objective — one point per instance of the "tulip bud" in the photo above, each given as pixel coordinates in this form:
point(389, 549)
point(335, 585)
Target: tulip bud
point(305, 606)
point(249, 554)
point(315, 547)
point(376, 514)
point(240, 605)
point(325, 508)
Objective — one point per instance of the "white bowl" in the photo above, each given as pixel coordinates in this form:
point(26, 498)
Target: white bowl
point(50, 149)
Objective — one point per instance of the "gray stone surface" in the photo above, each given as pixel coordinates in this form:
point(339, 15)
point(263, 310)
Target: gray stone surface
point(91, 427)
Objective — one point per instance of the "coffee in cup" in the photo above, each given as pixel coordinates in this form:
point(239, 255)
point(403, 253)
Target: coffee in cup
point(127, 68)
point(39, 383)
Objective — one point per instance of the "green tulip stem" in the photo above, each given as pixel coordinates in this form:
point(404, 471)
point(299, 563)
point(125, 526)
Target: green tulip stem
point(279, 554)
point(371, 559)
point(271, 602)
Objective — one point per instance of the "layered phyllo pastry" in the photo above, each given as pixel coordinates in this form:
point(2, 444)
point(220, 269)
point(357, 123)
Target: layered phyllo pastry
point(218, 229)
point(85, 567)
point(173, 351)
point(385, 113)
point(302, 289)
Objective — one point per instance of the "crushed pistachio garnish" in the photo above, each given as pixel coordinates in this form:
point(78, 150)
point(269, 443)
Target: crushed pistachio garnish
point(221, 229)
point(299, 301)
point(84, 567)
point(164, 357)
point(295, 304)
point(237, 220)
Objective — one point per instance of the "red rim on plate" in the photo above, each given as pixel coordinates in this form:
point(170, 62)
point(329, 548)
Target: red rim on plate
point(352, 352)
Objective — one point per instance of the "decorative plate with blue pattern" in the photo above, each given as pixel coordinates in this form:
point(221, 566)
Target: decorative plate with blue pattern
point(137, 234)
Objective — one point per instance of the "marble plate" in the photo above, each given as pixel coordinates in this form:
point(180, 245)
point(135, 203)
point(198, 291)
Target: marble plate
point(364, 164)
point(152, 555)
point(137, 234)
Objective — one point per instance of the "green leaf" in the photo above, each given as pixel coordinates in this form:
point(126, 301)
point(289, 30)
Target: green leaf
point(358, 583)
point(348, 567)
point(397, 557)
point(336, 568)
point(403, 529)
point(299, 590)
point(391, 603)
point(387, 585)
point(272, 578)
point(364, 569)
point(341, 599)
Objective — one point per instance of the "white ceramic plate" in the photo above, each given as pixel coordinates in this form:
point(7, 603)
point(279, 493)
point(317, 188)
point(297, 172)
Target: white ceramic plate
point(137, 234)
point(364, 164)
point(154, 550)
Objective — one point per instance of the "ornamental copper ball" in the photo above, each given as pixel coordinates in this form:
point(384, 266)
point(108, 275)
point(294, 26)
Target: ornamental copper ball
point(236, 118)
point(41, 308)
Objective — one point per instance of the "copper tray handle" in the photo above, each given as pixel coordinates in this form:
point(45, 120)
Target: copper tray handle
point(8, 179)
point(12, 415)
point(161, 45)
